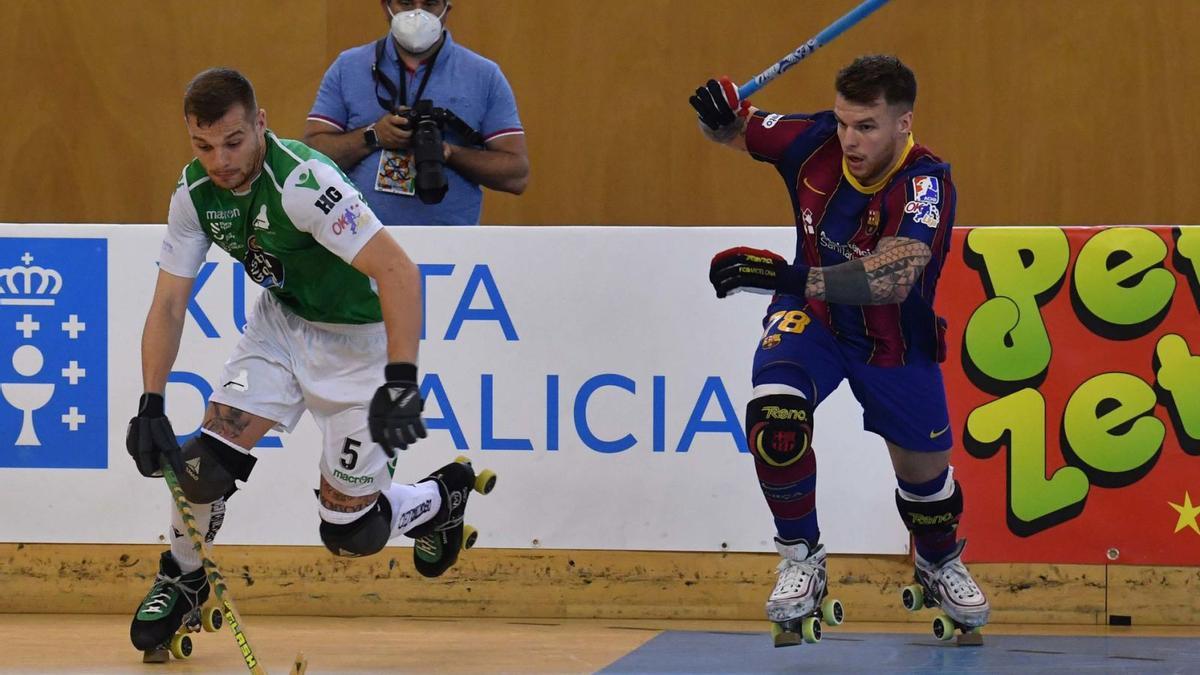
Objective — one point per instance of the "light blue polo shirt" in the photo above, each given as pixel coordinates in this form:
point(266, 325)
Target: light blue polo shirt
point(462, 81)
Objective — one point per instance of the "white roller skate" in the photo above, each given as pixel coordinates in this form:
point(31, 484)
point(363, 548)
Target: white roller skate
point(798, 604)
point(949, 586)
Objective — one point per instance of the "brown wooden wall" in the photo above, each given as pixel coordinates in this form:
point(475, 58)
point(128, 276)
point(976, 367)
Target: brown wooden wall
point(1059, 112)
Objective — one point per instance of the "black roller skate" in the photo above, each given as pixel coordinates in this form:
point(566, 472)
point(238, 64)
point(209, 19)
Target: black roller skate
point(173, 608)
point(438, 541)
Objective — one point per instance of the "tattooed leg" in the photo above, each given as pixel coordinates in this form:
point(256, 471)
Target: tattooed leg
point(336, 501)
point(236, 426)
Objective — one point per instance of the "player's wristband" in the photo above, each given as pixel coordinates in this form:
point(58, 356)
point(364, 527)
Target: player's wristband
point(400, 372)
point(793, 279)
point(151, 405)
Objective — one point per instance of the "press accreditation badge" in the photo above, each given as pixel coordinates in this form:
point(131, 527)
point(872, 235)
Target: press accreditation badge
point(396, 173)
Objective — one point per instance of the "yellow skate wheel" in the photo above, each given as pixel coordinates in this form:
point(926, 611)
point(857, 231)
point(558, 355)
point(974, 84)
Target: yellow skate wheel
point(782, 637)
point(913, 597)
point(832, 611)
point(181, 646)
point(485, 482)
point(470, 534)
point(211, 619)
point(810, 630)
point(943, 628)
point(462, 459)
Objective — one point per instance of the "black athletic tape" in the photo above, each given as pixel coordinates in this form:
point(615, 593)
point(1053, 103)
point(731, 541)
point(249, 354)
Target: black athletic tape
point(400, 372)
point(151, 405)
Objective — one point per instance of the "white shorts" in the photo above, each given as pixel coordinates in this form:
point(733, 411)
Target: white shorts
point(284, 365)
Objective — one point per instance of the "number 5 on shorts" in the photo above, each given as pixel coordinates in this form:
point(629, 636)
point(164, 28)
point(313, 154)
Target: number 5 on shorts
point(350, 454)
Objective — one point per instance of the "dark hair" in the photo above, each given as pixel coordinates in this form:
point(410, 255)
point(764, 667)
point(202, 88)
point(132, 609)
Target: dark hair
point(870, 77)
point(213, 92)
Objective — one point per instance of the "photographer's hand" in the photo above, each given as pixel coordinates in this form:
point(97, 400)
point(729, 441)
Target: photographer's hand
point(393, 132)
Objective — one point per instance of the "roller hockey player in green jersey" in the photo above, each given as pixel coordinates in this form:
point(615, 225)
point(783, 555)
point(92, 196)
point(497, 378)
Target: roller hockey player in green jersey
point(335, 333)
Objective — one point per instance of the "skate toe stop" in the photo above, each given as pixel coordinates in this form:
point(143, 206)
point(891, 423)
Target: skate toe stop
point(971, 639)
point(159, 655)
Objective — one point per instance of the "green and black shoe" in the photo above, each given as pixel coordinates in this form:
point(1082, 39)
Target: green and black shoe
point(438, 541)
point(171, 599)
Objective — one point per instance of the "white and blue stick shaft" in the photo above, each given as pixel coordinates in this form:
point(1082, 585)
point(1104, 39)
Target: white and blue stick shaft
point(819, 40)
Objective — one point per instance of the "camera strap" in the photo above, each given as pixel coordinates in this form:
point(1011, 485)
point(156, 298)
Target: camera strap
point(399, 95)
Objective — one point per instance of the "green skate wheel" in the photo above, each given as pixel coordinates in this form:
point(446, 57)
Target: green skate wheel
point(181, 646)
point(485, 482)
point(943, 628)
point(470, 534)
point(211, 619)
point(913, 597)
point(810, 630)
point(832, 611)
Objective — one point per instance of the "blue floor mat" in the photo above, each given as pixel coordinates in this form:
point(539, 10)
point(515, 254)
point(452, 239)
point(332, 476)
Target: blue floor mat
point(717, 652)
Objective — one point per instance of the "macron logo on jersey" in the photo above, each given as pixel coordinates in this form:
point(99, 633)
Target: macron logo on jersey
point(926, 189)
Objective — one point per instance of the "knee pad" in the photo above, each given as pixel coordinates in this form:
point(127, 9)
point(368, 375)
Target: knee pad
point(779, 428)
point(365, 536)
point(931, 517)
point(210, 467)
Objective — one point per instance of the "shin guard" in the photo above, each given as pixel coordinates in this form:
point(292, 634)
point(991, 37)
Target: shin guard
point(933, 524)
point(779, 431)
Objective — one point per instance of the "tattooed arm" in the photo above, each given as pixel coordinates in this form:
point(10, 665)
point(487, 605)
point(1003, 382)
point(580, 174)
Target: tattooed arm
point(883, 278)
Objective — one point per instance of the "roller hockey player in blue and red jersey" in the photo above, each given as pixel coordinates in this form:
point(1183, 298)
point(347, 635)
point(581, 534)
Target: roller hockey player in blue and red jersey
point(873, 213)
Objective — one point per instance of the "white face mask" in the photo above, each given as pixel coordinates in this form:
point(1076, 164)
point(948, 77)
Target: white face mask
point(417, 30)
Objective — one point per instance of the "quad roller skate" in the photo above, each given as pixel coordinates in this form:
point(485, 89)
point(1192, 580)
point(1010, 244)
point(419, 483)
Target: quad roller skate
point(800, 600)
point(438, 542)
point(949, 586)
point(172, 609)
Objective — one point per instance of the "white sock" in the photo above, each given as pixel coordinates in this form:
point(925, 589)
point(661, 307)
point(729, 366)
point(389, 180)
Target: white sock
point(946, 492)
point(209, 518)
point(412, 505)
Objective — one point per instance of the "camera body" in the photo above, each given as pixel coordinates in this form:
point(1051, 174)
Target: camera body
point(428, 122)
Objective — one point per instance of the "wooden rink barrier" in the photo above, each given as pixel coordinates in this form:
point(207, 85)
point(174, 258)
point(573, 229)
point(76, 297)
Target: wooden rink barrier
point(1034, 103)
point(559, 584)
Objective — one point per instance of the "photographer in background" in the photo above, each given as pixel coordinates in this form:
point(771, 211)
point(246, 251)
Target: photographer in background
point(364, 119)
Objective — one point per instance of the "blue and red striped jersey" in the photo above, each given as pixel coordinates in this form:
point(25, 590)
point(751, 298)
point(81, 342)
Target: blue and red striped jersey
point(839, 219)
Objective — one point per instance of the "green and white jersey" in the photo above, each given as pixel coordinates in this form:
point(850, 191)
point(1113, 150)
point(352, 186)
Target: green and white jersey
point(296, 230)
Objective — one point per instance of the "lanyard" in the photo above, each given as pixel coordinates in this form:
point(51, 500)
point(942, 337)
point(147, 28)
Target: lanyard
point(381, 79)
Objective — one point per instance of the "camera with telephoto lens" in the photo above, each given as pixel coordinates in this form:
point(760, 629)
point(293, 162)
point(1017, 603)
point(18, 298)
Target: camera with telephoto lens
point(428, 123)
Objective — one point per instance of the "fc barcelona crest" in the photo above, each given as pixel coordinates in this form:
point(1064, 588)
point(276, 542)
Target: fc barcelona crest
point(872, 221)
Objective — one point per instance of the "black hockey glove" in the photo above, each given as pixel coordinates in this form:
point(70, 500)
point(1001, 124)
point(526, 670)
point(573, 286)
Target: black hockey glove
point(717, 104)
point(150, 436)
point(395, 414)
point(755, 271)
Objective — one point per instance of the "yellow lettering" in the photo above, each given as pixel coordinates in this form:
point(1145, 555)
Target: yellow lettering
point(774, 412)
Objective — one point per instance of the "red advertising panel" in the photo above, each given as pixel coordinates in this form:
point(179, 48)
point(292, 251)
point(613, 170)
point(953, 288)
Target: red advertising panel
point(1074, 382)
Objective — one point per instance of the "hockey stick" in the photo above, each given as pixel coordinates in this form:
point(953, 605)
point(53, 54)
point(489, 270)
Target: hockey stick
point(218, 581)
point(819, 40)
